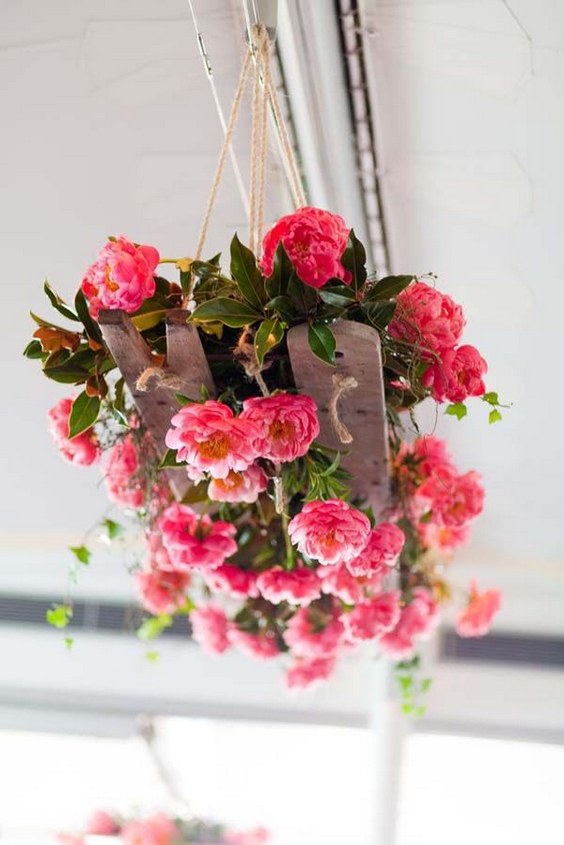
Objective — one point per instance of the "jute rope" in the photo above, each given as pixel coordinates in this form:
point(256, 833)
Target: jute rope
point(341, 386)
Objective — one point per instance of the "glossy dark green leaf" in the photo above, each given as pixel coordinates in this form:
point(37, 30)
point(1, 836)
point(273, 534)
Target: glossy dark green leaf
point(33, 350)
point(196, 493)
point(230, 312)
point(303, 297)
point(340, 296)
point(92, 328)
point(283, 306)
point(388, 287)
point(84, 413)
point(268, 335)
point(322, 342)
point(379, 314)
point(183, 400)
point(247, 275)
point(282, 270)
point(58, 303)
point(169, 459)
point(354, 260)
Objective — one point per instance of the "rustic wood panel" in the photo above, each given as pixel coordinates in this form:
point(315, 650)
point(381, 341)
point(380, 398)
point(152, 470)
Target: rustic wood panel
point(362, 410)
point(185, 360)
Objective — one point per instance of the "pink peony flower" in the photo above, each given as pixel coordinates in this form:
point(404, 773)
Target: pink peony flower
point(288, 424)
point(162, 591)
point(442, 537)
point(194, 541)
point(209, 438)
point(210, 628)
point(262, 646)
point(121, 277)
point(158, 830)
point(372, 618)
point(330, 531)
point(239, 486)
point(427, 318)
point(303, 673)
point(102, 824)
point(314, 241)
point(381, 552)
point(121, 474)
point(337, 581)
point(458, 375)
point(232, 580)
point(417, 620)
point(306, 637)
point(454, 500)
point(475, 619)
point(84, 449)
point(298, 586)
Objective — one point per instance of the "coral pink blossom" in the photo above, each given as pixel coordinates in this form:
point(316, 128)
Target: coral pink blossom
point(314, 241)
point(101, 824)
point(257, 836)
point(82, 450)
point(299, 586)
point(239, 486)
point(193, 541)
point(416, 621)
point(307, 638)
point(210, 628)
point(337, 581)
point(209, 438)
point(381, 551)
point(427, 319)
point(232, 580)
point(162, 591)
point(288, 424)
point(454, 500)
point(262, 646)
point(442, 537)
point(475, 619)
point(158, 830)
point(121, 277)
point(121, 474)
point(372, 618)
point(458, 375)
point(330, 531)
point(303, 673)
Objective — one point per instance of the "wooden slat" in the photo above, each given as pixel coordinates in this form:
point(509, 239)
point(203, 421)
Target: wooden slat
point(362, 410)
point(186, 360)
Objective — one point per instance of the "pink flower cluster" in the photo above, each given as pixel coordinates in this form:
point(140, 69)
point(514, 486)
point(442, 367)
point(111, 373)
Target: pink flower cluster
point(476, 618)
point(434, 323)
point(213, 442)
point(82, 450)
point(194, 541)
point(121, 277)
point(314, 241)
point(416, 622)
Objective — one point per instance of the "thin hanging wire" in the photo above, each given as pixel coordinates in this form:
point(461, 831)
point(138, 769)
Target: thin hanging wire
point(210, 75)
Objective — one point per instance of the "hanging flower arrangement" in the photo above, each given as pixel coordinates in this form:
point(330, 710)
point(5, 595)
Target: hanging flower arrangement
point(285, 505)
point(159, 829)
point(269, 552)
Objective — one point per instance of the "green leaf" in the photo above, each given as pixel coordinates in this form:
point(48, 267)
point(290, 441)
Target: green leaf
point(33, 350)
point(119, 416)
point(84, 413)
point(58, 303)
point(169, 459)
point(247, 275)
point(283, 306)
point(354, 260)
point(152, 656)
point(277, 283)
point(303, 297)
point(69, 642)
point(458, 410)
point(47, 323)
point(113, 529)
point(230, 312)
point(388, 287)
point(491, 398)
point(153, 627)
point(59, 616)
point(322, 342)
point(494, 416)
point(149, 319)
point(92, 328)
point(268, 335)
point(81, 553)
point(196, 493)
point(340, 297)
point(426, 684)
point(183, 400)
point(379, 313)
point(204, 393)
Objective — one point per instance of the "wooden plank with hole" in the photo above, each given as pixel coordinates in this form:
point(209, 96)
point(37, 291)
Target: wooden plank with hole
point(186, 360)
point(362, 410)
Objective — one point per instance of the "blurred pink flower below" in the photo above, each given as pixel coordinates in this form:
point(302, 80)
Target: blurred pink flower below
point(476, 618)
point(158, 830)
point(101, 823)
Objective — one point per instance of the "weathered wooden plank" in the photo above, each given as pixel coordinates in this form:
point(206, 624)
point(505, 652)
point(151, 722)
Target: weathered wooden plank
point(185, 360)
point(362, 410)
